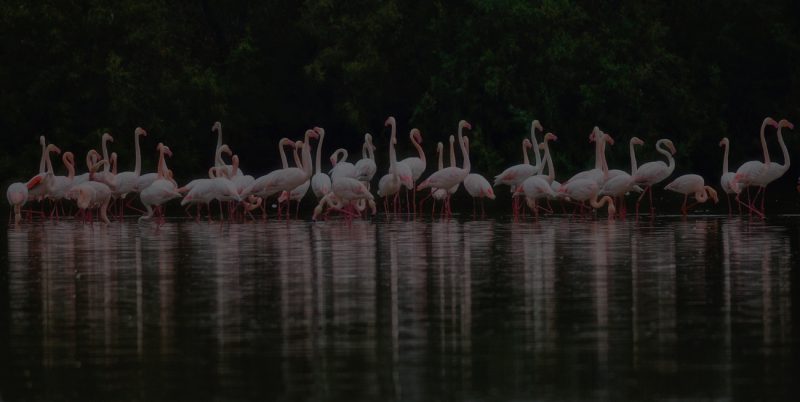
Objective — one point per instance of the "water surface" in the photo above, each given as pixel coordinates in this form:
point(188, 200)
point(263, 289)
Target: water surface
point(702, 308)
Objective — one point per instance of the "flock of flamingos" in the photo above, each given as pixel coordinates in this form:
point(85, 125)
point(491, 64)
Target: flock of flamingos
point(347, 187)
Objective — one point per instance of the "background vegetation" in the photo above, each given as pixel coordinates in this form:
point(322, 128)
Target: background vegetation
point(691, 71)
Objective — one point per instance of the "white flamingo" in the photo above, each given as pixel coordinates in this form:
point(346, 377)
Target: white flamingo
point(655, 172)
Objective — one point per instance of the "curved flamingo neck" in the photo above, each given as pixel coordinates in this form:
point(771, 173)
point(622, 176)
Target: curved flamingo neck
point(67, 159)
point(535, 146)
point(417, 146)
point(725, 158)
point(634, 166)
point(764, 142)
point(319, 152)
point(296, 155)
point(284, 163)
point(104, 145)
point(786, 160)
point(464, 150)
point(665, 152)
point(551, 173)
point(525, 159)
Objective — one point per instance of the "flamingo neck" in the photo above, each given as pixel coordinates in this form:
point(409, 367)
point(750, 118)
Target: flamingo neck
point(219, 145)
point(725, 159)
point(665, 152)
point(42, 163)
point(297, 161)
point(308, 169)
point(162, 164)
point(319, 152)
point(634, 166)
point(370, 152)
point(535, 147)
point(364, 150)
point(452, 155)
point(464, 150)
point(598, 150)
point(605, 200)
point(418, 147)
point(440, 151)
point(551, 173)
point(392, 155)
point(284, 163)
point(137, 169)
point(525, 159)
point(69, 165)
point(104, 144)
point(764, 142)
point(786, 160)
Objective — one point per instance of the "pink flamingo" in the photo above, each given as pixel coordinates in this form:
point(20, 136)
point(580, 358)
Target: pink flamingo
point(366, 167)
point(692, 184)
point(622, 183)
point(162, 189)
point(726, 181)
point(451, 176)
point(752, 173)
point(477, 186)
point(416, 164)
point(655, 172)
point(539, 186)
point(320, 181)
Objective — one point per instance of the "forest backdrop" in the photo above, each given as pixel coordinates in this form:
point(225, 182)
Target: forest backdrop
point(690, 71)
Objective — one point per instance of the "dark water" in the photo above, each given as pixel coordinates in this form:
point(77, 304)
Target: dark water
point(560, 310)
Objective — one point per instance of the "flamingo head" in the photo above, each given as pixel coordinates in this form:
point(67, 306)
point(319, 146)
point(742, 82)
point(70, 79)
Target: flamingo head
point(368, 138)
point(439, 147)
point(725, 141)
point(68, 157)
point(609, 140)
point(390, 121)
point(42, 141)
point(298, 145)
point(167, 151)
point(312, 134)
point(284, 196)
point(550, 137)
point(83, 197)
point(107, 137)
point(416, 135)
point(712, 194)
point(216, 127)
point(535, 125)
point(464, 124)
point(407, 181)
point(53, 148)
point(489, 193)
point(670, 146)
point(140, 131)
point(526, 143)
point(593, 135)
point(94, 156)
point(226, 149)
point(770, 121)
point(637, 141)
point(319, 130)
point(786, 123)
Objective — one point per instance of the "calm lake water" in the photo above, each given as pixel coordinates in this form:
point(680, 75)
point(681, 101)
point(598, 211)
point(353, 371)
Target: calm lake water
point(703, 308)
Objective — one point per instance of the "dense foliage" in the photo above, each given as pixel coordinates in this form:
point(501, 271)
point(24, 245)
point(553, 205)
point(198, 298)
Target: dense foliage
point(267, 69)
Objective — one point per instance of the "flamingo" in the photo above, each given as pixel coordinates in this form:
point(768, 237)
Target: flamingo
point(39, 185)
point(600, 172)
point(539, 186)
point(692, 184)
point(403, 168)
point(341, 167)
point(126, 181)
point(655, 172)
point(449, 177)
point(287, 178)
point(477, 186)
point(391, 182)
point(726, 181)
point(320, 182)
point(438, 194)
point(775, 170)
point(752, 173)
point(92, 194)
point(298, 192)
point(17, 195)
point(162, 189)
point(515, 175)
point(417, 164)
point(622, 183)
point(581, 190)
point(105, 176)
point(365, 167)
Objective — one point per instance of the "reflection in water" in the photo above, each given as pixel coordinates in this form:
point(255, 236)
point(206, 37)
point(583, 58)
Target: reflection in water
point(557, 309)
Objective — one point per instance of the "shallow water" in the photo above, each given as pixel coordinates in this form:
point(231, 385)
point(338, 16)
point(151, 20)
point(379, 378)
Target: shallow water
point(702, 308)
